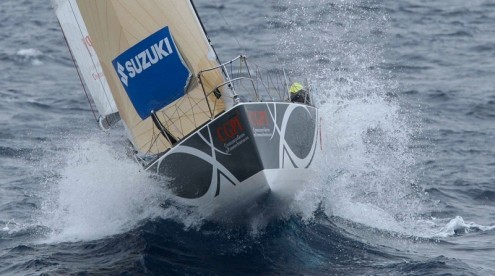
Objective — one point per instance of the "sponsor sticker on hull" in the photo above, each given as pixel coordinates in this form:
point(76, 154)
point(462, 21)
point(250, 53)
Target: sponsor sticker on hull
point(231, 133)
point(260, 124)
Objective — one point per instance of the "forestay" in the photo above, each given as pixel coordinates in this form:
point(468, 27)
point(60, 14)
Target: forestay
point(86, 59)
point(151, 52)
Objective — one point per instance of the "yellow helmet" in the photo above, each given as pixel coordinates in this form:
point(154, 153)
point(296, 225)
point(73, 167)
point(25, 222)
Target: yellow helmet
point(296, 87)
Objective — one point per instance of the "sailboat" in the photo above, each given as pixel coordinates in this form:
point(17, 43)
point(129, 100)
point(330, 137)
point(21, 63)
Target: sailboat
point(224, 134)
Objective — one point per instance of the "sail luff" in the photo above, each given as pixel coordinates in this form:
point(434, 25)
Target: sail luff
point(87, 62)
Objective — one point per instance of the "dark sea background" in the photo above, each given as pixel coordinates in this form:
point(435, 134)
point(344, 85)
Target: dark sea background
point(406, 184)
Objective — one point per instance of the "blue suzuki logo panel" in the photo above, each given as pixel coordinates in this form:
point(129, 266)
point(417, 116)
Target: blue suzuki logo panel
point(153, 73)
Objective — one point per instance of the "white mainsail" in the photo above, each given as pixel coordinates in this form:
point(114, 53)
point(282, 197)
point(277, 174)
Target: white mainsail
point(87, 61)
point(151, 52)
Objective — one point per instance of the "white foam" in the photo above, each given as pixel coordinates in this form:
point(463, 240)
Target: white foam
point(6, 228)
point(13, 227)
point(31, 52)
point(459, 226)
point(369, 215)
point(32, 55)
point(100, 192)
point(365, 172)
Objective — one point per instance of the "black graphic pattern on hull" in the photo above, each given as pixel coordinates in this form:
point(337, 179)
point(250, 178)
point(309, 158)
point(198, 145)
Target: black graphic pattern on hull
point(239, 144)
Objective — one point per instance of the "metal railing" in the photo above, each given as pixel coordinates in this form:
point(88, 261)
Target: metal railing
point(247, 85)
point(241, 83)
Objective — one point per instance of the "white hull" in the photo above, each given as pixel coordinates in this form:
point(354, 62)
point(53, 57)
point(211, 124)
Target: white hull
point(253, 151)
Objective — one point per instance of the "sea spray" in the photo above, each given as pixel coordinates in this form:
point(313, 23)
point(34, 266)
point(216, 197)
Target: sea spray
point(99, 191)
point(365, 173)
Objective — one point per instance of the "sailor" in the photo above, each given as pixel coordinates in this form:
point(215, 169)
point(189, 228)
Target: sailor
point(298, 94)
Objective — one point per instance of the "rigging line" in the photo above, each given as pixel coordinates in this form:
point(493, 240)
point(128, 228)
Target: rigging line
point(234, 36)
point(153, 140)
point(208, 38)
point(78, 73)
point(204, 29)
point(171, 123)
point(92, 61)
point(171, 139)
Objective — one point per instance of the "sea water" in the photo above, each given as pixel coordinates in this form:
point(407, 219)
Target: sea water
point(405, 184)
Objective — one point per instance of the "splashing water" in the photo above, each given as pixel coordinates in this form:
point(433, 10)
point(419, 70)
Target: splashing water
point(365, 174)
point(367, 171)
point(9, 228)
point(457, 226)
point(100, 192)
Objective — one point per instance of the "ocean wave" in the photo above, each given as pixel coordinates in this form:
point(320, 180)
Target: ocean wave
point(23, 56)
point(458, 226)
point(485, 196)
point(29, 53)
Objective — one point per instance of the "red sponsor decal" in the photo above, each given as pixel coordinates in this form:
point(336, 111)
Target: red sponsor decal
point(89, 44)
point(87, 41)
point(258, 119)
point(98, 75)
point(230, 129)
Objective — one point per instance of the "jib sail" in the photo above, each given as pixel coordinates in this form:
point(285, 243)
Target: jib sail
point(151, 52)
